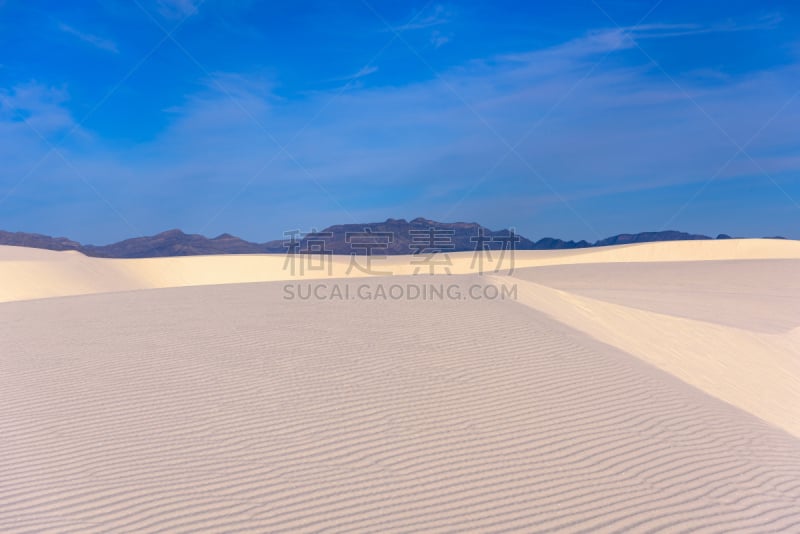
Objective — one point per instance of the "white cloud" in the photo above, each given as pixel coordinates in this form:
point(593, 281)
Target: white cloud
point(178, 8)
point(436, 15)
point(608, 40)
point(432, 18)
point(41, 107)
point(94, 40)
point(438, 39)
point(620, 129)
point(363, 72)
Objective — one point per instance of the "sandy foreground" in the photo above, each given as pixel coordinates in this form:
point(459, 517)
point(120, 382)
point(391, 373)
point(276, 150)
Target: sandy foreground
point(651, 387)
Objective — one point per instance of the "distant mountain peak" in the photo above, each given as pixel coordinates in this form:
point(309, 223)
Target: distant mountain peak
point(175, 242)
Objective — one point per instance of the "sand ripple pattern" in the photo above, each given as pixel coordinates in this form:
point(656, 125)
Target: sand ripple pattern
point(226, 408)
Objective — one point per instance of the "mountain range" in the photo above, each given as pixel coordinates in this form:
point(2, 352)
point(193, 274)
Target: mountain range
point(393, 236)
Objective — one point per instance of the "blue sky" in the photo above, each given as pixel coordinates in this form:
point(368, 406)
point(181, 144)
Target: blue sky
point(576, 119)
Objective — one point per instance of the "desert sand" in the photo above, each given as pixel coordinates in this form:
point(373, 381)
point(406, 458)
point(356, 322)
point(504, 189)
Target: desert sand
point(32, 273)
point(651, 387)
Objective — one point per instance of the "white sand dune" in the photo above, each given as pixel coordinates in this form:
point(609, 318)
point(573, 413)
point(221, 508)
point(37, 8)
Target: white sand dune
point(761, 295)
point(756, 371)
point(618, 393)
point(31, 273)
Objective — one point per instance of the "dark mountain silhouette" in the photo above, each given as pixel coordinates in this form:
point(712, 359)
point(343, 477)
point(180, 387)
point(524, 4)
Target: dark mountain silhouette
point(552, 243)
point(176, 243)
point(407, 237)
point(22, 239)
point(415, 236)
point(645, 237)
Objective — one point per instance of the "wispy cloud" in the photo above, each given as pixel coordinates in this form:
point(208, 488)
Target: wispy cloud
point(661, 31)
point(98, 42)
point(414, 148)
point(438, 39)
point(435, 16)
point(42, 108)
point(366, 71)
point(432, 20)
point(177, 8)
point(603, 41)
point(363, 72)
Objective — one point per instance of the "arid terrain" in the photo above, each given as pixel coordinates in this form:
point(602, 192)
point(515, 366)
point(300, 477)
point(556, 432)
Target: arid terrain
point(645, 387)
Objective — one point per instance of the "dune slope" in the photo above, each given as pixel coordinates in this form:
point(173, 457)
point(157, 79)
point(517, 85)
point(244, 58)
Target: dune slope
point(756, 371)
point(230, 408)
point(32, 273)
